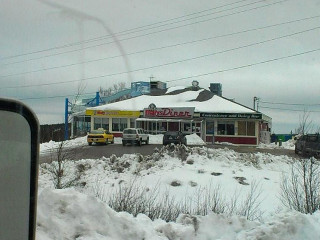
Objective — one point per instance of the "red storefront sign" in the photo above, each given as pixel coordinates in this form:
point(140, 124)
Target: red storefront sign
point(169, 112)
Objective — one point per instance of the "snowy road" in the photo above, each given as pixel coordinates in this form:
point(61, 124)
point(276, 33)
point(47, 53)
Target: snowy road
point(95, 152)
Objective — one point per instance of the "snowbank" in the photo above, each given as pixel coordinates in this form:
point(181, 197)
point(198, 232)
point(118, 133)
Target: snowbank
point(49, 146)
point(68, 214)
point(284, 145)
point(77, 214)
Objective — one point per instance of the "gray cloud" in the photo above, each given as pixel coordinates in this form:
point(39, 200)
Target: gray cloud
point(30, 26)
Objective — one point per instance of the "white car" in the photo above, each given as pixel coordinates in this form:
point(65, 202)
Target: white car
point(134, 136)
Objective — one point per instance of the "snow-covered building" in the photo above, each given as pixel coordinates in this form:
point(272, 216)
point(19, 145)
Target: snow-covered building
point(190, 110)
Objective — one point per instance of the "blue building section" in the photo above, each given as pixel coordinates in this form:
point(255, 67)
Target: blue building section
point(116, 96)
point(140, 88)
point(92, 102)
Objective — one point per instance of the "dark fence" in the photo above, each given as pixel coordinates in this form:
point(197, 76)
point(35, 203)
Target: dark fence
point(54, 132)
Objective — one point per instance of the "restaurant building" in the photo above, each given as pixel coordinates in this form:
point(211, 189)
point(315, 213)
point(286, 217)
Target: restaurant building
point(189, 110)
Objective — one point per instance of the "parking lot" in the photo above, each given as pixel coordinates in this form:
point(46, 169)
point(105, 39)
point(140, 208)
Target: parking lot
point(99, 151)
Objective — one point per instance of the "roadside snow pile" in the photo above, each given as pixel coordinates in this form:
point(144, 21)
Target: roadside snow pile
point(48, 146)
point(68, 214)
point(285, 145)
point(224, 143)
point(192, 139)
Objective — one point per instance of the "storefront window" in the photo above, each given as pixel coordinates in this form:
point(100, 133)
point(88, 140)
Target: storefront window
point(186, 127)
point(153, 126)
point(132, 122)
point(242, 128)
point(105, 123)
point(210, 127)
point(246, 128)
point(116, 124)
point(196, 127)
point(251, 130)
point(97, 123)
point(139, 124)
point(123, 123)
point(225, 128)
point(163, 126)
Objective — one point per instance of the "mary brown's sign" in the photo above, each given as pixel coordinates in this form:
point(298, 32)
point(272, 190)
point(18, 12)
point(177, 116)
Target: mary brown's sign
point(232, 115)
point(183, 112)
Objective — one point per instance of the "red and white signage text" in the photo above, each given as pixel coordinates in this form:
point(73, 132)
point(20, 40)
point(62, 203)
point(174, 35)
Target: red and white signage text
point(169, 112)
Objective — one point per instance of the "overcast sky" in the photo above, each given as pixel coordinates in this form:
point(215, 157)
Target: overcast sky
point(264, 48)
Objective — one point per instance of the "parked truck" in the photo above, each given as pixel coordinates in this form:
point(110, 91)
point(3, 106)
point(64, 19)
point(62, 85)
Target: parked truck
point(308, 145)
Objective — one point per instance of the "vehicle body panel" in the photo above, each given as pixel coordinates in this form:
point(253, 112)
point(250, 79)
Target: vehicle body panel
point(308, 145)
point(174, 137)
point(134, 136)
point(100, 136)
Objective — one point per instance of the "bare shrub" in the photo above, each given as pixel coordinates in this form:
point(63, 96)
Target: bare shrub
point(62, 176)
point(182, 152)
point(305, 124)
point(208, 199)
point(132, 198)
point(135, 198)
point(99, 191)
point(300, 190)
point(249, 208)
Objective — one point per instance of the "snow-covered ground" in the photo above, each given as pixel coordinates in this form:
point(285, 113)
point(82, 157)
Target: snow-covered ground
point(82, 212)
point(284, 145)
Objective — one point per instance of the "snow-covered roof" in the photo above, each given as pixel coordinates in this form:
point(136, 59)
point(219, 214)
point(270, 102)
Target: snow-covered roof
point(172, 89)
point(214, 103)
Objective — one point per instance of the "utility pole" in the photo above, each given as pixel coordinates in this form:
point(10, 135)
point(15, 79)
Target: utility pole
point(256, 103)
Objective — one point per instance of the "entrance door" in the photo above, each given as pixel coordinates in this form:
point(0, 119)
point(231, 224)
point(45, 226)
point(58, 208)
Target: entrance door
point(173, 126)
point(210, 131)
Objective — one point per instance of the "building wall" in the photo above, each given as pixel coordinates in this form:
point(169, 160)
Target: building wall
point(236, 138)
point(207, 137)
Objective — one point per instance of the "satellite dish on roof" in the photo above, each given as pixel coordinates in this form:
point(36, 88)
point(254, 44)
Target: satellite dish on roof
point(152, 106)
point(195, 83)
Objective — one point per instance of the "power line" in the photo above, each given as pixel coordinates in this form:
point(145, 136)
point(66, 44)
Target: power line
point(163, 47)
point(165, 64)
point(121, 32)
point(50, 97)
point(138, 36)
point(245, 66)
point(220, 71)
point(293, 104)
point(286, 109)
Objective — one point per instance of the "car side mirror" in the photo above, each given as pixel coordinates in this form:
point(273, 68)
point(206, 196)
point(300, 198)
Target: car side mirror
point(19, 150)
